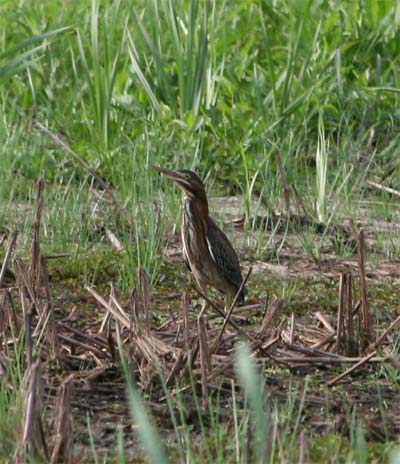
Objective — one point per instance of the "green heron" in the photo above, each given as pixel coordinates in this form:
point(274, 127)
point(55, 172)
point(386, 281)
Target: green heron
point(206, 249)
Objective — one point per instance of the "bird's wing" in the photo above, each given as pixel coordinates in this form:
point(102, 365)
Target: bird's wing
point(224, 255)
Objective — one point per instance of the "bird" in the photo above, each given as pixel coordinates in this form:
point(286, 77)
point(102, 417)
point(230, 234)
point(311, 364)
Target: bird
point(207, 251)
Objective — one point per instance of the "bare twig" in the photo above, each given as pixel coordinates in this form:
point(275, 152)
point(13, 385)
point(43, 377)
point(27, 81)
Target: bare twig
point(385, 333)
point(383, 188)
point(351, 369)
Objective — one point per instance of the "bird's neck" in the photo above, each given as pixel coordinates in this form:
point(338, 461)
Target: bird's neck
point(196, 209)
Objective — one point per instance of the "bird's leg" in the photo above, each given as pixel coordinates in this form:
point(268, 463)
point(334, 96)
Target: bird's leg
point(203, 303)
point(192, 282)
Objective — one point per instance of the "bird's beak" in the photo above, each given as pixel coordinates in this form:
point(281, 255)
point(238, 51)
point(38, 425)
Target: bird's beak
point(173, 175)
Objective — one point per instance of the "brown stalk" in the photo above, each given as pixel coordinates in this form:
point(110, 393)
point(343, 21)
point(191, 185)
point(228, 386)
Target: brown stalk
point(57, 256)
point(313, 360)
point(249, 443)
point(32, 442)
point(52, 336)
point(121, 318)
point(144, 297)
point(63, 438)
point(324, 321)
point(270, 342)
point(114, 240)
point(111, 343)
point(185, 314)
point(192, 355)
point(86, 346)
point(314, 351)
point(177, 367)
point(10, 248)
point(24, 281)
point(272, 310)
point(205, 359)
point(35, 261)
point(118, 306)
point(366, 320)
point(105, 321)
point(304, 457)
point(340, 316)
point(285, 188)
point(292, 328)
point(299, 202)
point(135, 319)
point(324, 341)
point(351, 342)
point(90, 339)
point(14, 317)
point(27, 312)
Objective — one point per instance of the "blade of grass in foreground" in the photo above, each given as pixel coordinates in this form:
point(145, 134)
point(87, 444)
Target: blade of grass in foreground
point(148, 434)
point(252, 386)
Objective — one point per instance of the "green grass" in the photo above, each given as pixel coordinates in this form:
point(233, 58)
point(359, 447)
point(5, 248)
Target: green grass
point(11, 399)
point(259, 429)
point(214, 86)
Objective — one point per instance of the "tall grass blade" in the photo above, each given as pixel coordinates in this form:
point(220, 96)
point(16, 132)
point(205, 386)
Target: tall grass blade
point(24, 59)
point(148, 433)
point(321, 161)
point(252, 386)
point(176, 72)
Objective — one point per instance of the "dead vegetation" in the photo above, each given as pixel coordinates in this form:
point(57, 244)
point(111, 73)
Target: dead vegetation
point(72, 362)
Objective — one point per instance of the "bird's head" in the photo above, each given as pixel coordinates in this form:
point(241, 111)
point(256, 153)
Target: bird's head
point(187, 180)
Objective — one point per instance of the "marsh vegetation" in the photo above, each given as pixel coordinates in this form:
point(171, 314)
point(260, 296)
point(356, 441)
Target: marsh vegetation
point(289, 111)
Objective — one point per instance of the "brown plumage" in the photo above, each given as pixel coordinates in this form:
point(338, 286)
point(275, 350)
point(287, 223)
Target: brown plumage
point(206, 249)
